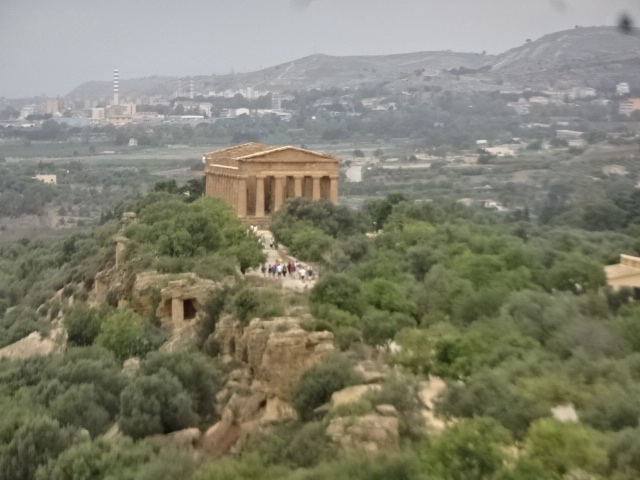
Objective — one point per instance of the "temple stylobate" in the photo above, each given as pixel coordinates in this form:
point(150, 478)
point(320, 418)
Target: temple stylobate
point(256, 179)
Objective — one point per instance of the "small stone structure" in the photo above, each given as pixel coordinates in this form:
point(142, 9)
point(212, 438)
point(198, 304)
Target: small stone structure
point(256, 179)
point(624, 274)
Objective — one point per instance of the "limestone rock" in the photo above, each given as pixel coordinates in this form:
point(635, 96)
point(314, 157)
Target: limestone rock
point(186, 439)
point(131, 366)
point(288, 355)
point(113, 434)
point(273, 354)
point(182, 338)
point(277, 352)
point(221, 436)
point(565, 413)
point(428, 393)
point(351, 394)
point(370, 371)
point(369, 433)
point(277, 410)
point(387, 410)
point(34, 344)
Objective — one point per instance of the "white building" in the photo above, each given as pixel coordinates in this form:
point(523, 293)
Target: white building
point(500, 150)
point(48, 179)
point(622, 88)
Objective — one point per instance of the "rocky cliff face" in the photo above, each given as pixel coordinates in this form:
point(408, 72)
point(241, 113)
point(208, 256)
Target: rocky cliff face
point(272, 356)
point(374, 432)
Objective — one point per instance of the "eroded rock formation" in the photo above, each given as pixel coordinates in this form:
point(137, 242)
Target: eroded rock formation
point(374, 432)
point(273, 355)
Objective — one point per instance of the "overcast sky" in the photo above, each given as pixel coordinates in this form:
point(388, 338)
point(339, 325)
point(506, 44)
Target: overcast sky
point(51, 46)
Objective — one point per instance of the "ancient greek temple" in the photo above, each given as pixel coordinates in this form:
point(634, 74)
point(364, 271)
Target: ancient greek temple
point(256, 179)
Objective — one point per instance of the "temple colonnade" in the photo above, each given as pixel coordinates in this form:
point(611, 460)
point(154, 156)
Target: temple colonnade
point(261, 195)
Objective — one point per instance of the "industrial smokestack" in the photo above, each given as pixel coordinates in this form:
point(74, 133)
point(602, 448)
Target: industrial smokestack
point(116, 78)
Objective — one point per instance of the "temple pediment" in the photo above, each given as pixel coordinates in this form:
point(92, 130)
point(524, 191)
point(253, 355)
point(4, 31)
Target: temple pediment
point(288, 154)
point(256, 179)
point(258, 152)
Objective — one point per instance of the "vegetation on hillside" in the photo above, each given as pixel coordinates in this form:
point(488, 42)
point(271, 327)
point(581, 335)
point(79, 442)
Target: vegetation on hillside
point(514, 315)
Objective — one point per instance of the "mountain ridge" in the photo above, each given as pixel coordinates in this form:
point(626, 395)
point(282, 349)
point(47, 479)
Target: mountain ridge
point(588, 56)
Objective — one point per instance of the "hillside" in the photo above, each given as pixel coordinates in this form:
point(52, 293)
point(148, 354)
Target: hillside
point(315, 71)
point(592, 56)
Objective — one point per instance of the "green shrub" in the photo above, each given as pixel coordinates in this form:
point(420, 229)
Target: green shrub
point(308, 446)
point(80, 406)
point(215, 267)
point(200, 377)
point(121, 459)
point(38, 441)
point(341, 290)
point(615, 410)
point(83, 323)
point(469, 449)
point(250, 302)
point(380, 327)
point(19, 322)
point(318, 383)
point(271, 304)
point(345, 337)
point(245, 304)
point(561, 447)
point(213, 309)
point(155, 404)
point(489, 395)
point(126, 334)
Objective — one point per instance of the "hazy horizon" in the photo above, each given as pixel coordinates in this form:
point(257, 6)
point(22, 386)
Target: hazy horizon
point(52, 47)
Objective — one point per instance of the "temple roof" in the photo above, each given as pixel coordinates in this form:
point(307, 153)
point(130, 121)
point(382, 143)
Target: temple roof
point(254, 150)
point(618, 271)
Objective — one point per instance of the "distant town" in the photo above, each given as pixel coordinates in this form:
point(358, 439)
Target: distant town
point(190, 107)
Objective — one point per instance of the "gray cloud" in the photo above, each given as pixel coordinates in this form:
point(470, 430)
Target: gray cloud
point(301, 4)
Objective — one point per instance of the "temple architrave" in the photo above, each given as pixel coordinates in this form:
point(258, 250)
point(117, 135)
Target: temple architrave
point(256, 179)
point(624, 274)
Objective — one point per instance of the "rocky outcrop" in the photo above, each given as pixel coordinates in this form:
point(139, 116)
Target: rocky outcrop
point(35, 344)
point(276, 351)
point(374, 432)
point(273, 354)
point(352, 394)
point(186, 439)
point(429, 392)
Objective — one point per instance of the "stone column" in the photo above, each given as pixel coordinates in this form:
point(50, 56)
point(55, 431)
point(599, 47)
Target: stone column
point(215, 184)
point(278, 191)
point(260, 196)
point(241, 183)
point(316, 188)
point(177, 310)
point(333, 189)
point(229, 192)
point(297, 186)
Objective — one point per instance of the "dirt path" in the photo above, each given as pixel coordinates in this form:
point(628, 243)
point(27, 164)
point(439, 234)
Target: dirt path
point(273, 255)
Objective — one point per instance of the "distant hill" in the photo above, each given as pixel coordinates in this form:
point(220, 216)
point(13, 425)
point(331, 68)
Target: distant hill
point(315, 71)
point(590, 56)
